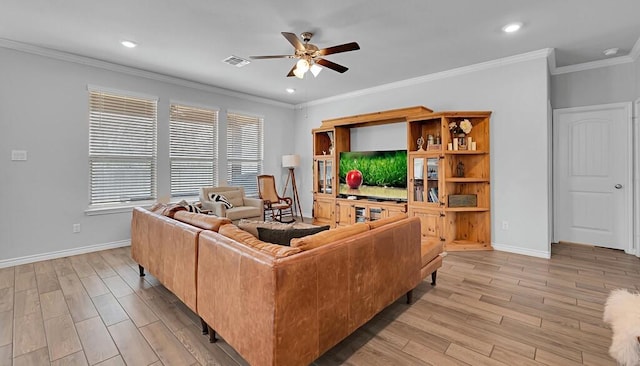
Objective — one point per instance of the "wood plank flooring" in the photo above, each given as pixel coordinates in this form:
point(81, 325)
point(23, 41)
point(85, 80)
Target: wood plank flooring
point(488, 308)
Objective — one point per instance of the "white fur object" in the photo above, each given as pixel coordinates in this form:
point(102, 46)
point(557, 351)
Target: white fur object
point(622, 312)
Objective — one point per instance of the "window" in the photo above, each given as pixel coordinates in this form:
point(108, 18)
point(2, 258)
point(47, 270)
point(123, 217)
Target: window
point(122, 148)
point(244, 151)
point(193, 135)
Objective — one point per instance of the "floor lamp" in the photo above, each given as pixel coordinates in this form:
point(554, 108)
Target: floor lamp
point(292, 162)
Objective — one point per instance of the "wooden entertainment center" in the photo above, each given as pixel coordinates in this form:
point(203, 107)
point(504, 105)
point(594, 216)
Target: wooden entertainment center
point(447, 183)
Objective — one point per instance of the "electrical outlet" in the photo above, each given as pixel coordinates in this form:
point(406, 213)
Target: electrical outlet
point(505, 225)
point(76, 228)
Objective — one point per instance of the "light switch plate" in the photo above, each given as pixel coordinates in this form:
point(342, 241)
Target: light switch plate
point(18, 155)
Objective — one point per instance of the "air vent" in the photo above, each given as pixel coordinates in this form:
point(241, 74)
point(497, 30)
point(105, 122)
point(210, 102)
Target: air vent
point(236, 61)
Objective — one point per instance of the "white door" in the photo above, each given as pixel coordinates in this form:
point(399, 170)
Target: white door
point(592, 175)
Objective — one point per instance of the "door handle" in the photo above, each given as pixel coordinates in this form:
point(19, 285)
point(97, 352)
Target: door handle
point(618, 186)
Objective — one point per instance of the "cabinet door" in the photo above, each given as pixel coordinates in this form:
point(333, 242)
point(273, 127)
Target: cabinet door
point(323, 211)
point(324, 176)
point(424, 173)
point(431, 222)
point(393, 210)
point(345, 213)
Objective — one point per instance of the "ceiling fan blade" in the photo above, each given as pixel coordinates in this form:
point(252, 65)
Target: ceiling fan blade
point(293, 39)
point(341, 48)
point(331, 65)
point(268, 57)
point(291, 71)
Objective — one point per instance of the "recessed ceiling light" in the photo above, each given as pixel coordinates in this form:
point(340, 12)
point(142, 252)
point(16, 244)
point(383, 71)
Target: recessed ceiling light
point(611, 51)
point(129, 44)
point(290, 90)
point(512, 27)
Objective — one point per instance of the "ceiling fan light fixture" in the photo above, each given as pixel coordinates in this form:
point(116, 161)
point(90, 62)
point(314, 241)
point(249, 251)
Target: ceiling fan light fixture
point(298, 73)
point(315, 69)
point(302, 65)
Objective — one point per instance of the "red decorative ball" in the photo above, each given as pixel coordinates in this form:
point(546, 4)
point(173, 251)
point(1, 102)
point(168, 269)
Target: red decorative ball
point(354, 179)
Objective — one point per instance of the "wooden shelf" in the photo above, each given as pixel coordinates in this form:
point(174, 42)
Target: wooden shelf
point(473, 224)
point(466, 209)
point(465, 152)
point(466, 180)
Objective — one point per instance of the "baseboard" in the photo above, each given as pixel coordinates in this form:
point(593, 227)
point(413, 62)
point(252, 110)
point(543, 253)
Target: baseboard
point(62, 253)
point(523, 251)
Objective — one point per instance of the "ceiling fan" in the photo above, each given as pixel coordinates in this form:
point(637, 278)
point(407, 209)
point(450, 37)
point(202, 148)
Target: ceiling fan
point(310, 56)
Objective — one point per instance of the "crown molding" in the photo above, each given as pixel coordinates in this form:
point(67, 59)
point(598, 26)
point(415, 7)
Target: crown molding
point(591, 65)
point(110, 66)
point(631, 57)
point(543, 53)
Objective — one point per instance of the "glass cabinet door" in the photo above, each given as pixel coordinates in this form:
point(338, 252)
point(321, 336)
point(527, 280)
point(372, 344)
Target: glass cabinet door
point(418, 179)
point(328, 177)
point(324, 176)
point(431, 189)
point(425, 173)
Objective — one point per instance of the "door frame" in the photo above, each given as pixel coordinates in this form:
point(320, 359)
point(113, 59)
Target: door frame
point(636, 175)
point(627, 107)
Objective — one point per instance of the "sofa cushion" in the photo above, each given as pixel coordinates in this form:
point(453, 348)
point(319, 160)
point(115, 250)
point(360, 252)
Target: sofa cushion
point(386, 220)
point(284, 236)
point(206, 222)
point(215, 197)
point(251, 226)
point(329, 236)
point(243, 212)
point(233, 232)
point(428, 251)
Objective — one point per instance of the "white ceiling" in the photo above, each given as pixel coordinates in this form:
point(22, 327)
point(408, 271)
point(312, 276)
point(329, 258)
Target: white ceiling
point(399, 39)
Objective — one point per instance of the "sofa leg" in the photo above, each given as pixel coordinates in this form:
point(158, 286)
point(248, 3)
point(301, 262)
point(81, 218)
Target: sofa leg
point(410, 297)
point(141, 269)
point(212, 335)
point(205, 327)
point(433, 278)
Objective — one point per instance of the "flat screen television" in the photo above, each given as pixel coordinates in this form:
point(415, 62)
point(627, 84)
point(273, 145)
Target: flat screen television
point(378, 175)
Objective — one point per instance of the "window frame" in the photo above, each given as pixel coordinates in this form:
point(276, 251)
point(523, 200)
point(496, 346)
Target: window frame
point(151, 142)
point(215, 158)
point(258, 158)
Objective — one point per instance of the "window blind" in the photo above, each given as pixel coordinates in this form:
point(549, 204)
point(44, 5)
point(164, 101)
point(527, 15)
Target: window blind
point(122, 148)
point(193, 135)
point(244, 151)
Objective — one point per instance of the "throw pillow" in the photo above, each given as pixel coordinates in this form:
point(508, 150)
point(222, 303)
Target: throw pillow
point(283, 237)
point(220, 198)
point(191, 207)
point(251, 226)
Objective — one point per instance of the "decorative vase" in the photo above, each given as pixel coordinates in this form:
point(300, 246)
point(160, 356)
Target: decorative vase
point(462, 141)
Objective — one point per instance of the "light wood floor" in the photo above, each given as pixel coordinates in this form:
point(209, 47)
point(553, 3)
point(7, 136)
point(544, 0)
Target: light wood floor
point(488, 308)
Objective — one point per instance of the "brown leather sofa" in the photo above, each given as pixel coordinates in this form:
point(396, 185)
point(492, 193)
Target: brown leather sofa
point(282, 305)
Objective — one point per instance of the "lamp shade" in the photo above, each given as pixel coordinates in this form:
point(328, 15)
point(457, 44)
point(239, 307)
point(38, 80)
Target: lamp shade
point(290, 161)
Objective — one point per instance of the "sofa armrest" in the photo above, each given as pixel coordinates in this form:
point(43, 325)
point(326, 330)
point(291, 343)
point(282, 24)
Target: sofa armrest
point(216, 207)
point(254, 202)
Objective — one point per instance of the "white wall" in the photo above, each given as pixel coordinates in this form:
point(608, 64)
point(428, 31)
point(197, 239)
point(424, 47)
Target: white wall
point(44, 110)
point(517, 93)
point(611, 84)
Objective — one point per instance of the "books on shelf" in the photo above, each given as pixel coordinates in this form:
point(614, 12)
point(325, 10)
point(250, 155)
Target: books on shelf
point(433, 195)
